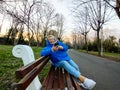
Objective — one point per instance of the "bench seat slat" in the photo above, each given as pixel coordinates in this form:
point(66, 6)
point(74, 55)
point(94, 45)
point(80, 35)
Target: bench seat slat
point(45, 82)
point(68, 80)
point(56, 79)
point(76, 85)
point(47, 79)
point(62, 79)
point(50, 82)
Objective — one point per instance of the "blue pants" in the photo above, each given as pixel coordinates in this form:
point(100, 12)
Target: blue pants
point(70, 66)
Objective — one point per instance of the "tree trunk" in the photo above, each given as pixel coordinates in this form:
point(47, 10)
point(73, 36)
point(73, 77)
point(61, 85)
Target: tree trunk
point(117, 12)
point(44, 36)
point(86, 46)
point(117, 8)
point(98, 41)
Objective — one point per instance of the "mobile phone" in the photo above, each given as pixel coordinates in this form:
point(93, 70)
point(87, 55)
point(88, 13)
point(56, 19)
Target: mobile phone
point(56, 44)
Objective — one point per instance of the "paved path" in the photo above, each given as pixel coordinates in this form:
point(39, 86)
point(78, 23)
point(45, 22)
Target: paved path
point(105, 72)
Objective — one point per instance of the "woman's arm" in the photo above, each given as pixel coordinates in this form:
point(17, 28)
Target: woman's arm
point(64, 46)
point(46, 51)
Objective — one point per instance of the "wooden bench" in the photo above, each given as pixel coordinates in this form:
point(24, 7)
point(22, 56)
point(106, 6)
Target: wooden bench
point(56, 79)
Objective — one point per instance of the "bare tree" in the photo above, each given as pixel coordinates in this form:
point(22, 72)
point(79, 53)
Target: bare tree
point(35, 16)
point(47, 15)
point(37, 34)
point(98, 15)
point(82, 23)
point(115, 4)
point(1, 23)
point(29, 11)
point(60, 25)
point(13, 31)
point(74, 36)
point(23, 13)
point(10, 7)
point(77, 39)
point(119, 45)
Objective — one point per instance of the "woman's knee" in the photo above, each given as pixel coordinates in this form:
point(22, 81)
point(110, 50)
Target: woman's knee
point(74, 64)
point(69, 68)
point(62, 63)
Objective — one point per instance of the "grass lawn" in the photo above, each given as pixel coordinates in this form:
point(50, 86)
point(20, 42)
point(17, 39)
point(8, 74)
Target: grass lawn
point(111, 56)
point(9, 64)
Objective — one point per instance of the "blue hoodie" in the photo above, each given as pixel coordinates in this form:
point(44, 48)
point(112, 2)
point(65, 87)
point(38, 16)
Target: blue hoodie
point(57, 55)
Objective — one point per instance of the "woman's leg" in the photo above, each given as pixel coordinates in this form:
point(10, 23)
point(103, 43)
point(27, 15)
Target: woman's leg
point(87, 83)
point(69, 68)
point(71, 62)
point(72, 68)
point(81, 78)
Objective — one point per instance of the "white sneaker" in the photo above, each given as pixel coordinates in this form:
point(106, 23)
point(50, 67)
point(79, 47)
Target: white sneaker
point(82, 85)
point(89, 83)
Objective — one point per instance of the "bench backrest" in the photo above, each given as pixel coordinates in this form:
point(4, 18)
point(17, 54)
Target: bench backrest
point(29, 72)
point(31, 67)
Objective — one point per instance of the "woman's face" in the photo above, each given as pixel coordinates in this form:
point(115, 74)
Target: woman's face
point(51, 40)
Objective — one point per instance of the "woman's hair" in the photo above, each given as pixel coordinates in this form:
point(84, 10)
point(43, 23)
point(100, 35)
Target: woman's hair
point(52, 36)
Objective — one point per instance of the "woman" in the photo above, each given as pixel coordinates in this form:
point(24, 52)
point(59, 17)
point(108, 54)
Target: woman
point(59, 57)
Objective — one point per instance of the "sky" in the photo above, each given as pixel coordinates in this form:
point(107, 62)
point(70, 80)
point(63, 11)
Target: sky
point(63, 7)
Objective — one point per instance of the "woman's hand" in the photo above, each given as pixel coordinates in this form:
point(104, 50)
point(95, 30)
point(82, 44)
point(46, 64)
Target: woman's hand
point(60, 47)
point(54, 48)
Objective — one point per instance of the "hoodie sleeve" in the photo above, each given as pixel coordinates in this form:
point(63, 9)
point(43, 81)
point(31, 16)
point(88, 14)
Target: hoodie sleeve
point(65, 47)
point(46, 51)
